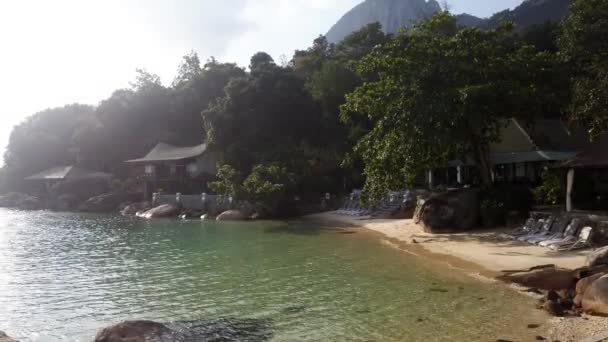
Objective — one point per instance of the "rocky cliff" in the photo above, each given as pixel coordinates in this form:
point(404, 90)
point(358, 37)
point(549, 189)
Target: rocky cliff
point(393, 14)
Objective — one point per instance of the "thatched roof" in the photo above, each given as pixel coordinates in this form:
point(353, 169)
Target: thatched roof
point(67, 172)
point(165, 152)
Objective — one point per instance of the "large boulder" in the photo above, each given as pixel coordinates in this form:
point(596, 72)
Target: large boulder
point(5, 338)
point(232, 215)
point(164, 210)
point(598, 257)
point(547, 278)
point(109, 202)
point(134, 208)
point(453, 211)
point(595, 297)
point(136, 331)
point(582, 286)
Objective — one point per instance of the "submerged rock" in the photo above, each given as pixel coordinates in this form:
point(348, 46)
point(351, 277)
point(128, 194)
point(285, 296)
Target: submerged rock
point(5, 338)
point(165, 210)
point(232, 215)
point(194, 331)
point(136, 331)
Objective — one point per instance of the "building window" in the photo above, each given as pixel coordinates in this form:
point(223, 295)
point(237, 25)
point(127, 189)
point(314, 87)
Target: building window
point(192, 168)
point(173, 169)
point(149, 169)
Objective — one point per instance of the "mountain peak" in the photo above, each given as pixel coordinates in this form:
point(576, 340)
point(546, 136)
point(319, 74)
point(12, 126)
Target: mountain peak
point(392, 14)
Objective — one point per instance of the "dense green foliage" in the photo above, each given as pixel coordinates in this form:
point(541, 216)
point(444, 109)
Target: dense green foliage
point(584, 44)
point(374, 109)
point(443, 93)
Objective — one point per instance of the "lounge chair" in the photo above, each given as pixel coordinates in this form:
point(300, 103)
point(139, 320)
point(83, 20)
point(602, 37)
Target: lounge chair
point(583, 241)
point(556, 231)
point(568, 235)
point(545, 228)
point(530, 225)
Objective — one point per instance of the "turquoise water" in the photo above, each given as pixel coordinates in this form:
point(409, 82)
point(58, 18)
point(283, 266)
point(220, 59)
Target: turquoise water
point(64, 276)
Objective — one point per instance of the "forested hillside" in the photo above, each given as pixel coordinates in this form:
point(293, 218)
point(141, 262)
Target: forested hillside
point(374, 109)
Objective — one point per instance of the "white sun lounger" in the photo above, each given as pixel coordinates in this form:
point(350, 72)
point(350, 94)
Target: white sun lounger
point(556, 231)
point(568, 235)
point(546, 227)
point(583, 241)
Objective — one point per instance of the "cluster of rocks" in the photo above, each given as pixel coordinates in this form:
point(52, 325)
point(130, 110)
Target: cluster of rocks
point(569, 292)
point(21, 201)
point(148, 211)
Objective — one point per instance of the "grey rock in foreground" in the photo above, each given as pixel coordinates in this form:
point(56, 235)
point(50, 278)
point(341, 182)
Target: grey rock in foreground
point(195, 331)
point(6, 338)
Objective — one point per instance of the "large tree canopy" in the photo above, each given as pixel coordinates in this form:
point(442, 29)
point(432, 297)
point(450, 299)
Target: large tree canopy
point(584, 44)
point(442, 94)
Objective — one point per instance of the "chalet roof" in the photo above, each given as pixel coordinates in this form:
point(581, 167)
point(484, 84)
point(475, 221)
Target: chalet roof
point(553, 135)
point(67, 172)
point(529, 157)
point(520, 135)
point(595, 155)
point(165, 152)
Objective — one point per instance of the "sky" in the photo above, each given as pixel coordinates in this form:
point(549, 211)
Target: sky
point(79, 51)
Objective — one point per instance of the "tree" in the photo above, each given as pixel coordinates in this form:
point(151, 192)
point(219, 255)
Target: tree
point(189, 69)
point(229, 181)
point(442, 94)
point(43, 141)
point(267, 116)
point(268, 184)
point(584, 45)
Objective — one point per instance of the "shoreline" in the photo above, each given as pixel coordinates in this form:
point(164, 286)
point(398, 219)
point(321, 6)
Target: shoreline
point(481, 255)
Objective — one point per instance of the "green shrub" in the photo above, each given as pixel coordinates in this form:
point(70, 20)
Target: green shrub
point(549, 192)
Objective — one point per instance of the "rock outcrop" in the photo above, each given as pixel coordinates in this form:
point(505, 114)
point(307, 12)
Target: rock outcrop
point(5, 338)
point(392, 14)
point(453, 211)
point(109, 202)
point(546, 278)
point(594, 299)
point(598, 257)
point(232, 215)
point(164, 210)
point(20, 201)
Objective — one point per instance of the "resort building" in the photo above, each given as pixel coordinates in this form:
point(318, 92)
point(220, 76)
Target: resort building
point(525, 150)
point(587, 177)
point(172, 169)
point(58, 174)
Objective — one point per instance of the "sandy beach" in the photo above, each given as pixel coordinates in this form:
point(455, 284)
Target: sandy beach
point(483, 254)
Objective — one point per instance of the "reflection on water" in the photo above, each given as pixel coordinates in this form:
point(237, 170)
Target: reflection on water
point(65, 276)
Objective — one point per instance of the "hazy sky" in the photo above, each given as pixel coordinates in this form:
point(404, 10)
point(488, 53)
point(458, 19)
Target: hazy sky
point(66, 51)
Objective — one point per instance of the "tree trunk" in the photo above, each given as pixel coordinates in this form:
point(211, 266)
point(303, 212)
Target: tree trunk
point(481, 154)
